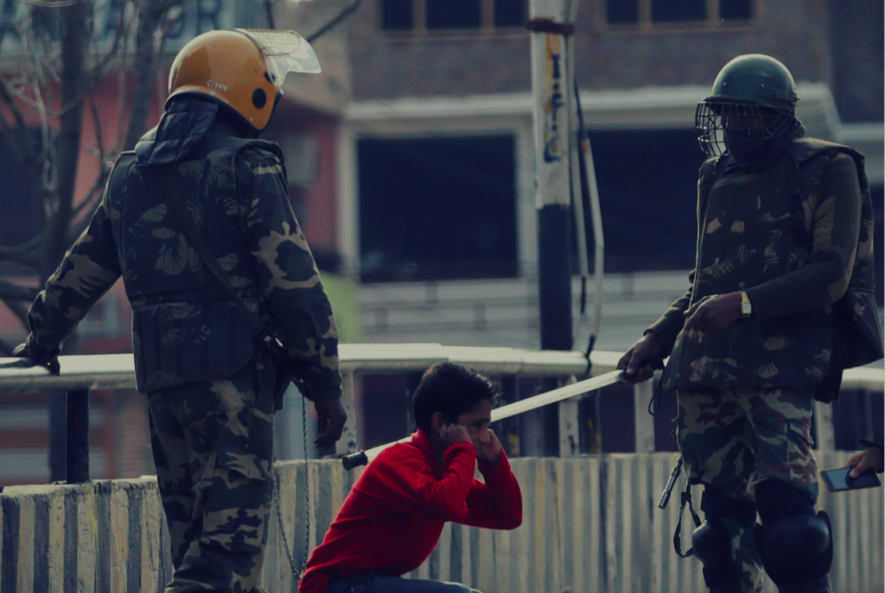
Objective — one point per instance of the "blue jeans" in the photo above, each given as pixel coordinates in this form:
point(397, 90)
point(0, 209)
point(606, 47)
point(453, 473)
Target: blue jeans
point(378, 581)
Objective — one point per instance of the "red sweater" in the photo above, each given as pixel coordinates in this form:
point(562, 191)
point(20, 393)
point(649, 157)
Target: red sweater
point(395, 513)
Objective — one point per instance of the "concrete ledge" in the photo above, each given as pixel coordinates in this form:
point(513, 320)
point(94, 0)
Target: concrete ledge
point(590, 524)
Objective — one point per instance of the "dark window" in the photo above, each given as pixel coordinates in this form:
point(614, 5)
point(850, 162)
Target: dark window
point(623, 12)
point(510, 13)
point(648, 202)
point(396, 15)
point(386, 419)
point(19, 211)
point(437, 208)
point(735, 10)
point(453, 14)
point(675, 11)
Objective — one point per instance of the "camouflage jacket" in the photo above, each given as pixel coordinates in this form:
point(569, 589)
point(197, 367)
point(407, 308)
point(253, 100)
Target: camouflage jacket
point(185, 325)
point(746, 241)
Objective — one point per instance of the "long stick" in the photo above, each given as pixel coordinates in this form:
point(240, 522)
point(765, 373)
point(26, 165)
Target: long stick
point(551, 397)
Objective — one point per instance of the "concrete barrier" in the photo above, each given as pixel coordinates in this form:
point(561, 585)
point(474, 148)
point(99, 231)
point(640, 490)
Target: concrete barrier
point(591, 524)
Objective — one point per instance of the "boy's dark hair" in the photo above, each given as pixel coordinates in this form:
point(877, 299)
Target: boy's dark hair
point(451, 389)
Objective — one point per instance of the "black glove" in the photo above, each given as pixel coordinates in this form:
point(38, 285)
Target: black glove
point(25, 351)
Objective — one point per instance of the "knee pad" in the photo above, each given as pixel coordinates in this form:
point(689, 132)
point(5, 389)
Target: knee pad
point(795, 544)
point(797, 552)
point(712, 541)
point(777, 500)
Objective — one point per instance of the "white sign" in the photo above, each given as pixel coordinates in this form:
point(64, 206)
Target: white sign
point(552, 87)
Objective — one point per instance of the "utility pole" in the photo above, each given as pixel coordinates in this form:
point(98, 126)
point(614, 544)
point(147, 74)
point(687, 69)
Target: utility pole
point(552, 25)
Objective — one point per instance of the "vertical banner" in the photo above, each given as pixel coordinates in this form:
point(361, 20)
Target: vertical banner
point(552, 25)
point(552, 22)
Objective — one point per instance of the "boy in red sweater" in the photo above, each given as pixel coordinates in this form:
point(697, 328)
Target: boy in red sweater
point(395, 513)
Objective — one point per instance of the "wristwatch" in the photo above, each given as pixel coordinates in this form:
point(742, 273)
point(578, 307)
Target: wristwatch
point(746, 306)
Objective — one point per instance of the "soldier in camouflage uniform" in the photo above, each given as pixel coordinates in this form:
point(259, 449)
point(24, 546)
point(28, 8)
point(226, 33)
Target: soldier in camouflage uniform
point(210, 386)
point(784, 224)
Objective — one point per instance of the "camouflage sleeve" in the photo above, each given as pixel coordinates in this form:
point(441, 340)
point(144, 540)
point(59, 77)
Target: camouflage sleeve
point(287, 275)
point(671, 322)
point(89, 269)
point(824, 279)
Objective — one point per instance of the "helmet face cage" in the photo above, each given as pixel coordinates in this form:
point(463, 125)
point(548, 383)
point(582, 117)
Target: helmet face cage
point(738, 128)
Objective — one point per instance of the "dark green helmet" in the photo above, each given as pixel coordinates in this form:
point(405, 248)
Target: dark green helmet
point(752, 102)
point(756, 79)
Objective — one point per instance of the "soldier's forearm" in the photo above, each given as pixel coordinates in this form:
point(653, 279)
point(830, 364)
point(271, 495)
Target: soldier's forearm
point(671, 322)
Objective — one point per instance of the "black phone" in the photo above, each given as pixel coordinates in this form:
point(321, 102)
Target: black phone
point(838, 480)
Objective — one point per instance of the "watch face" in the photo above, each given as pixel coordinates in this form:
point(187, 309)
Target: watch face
point(746, 308)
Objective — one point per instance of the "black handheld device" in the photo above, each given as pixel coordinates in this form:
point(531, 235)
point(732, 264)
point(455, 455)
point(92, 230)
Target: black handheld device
point(354, 460)
point(838, 480)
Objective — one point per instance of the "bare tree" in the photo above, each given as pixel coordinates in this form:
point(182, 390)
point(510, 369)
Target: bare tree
point(59, 61)
point(60, 52)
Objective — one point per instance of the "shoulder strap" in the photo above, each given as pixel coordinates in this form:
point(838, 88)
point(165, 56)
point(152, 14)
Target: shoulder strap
point(677, 535)
point(805, 151)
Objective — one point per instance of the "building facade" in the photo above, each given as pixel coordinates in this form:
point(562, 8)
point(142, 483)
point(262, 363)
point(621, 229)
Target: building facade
point(437, 180)
point(437, 200)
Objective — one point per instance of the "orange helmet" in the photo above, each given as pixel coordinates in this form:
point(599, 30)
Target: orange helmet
point(241, 68)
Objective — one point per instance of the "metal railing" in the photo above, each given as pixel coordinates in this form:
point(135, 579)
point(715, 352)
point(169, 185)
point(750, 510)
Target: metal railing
point(80, 374)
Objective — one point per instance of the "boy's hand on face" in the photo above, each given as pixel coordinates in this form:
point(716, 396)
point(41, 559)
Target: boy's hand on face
point(454, 433)
point(490, 451)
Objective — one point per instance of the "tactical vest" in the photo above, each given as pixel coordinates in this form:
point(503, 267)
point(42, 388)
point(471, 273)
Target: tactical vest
point(185, 325)
point(765, 223)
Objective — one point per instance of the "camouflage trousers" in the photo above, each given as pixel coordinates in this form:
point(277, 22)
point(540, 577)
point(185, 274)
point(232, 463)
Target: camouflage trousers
point(734, 439)
point(213, 447)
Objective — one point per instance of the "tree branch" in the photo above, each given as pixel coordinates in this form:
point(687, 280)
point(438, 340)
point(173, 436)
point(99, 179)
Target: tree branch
point(8, 290)
point(53, 4)
point(166, 5)
point(98, 72)
point(145, 62)
point(99, 140)
point(80, 223)
point(89, 202)
point(29, 257)
point(73, 45)
point(335, 21)
point(20, 138)
point(97, 188)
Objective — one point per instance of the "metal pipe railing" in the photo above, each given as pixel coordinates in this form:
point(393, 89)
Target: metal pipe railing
point(117, 371)
point(81, 373)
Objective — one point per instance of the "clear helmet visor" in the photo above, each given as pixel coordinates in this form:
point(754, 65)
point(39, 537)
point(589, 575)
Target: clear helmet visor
point(285, 52)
